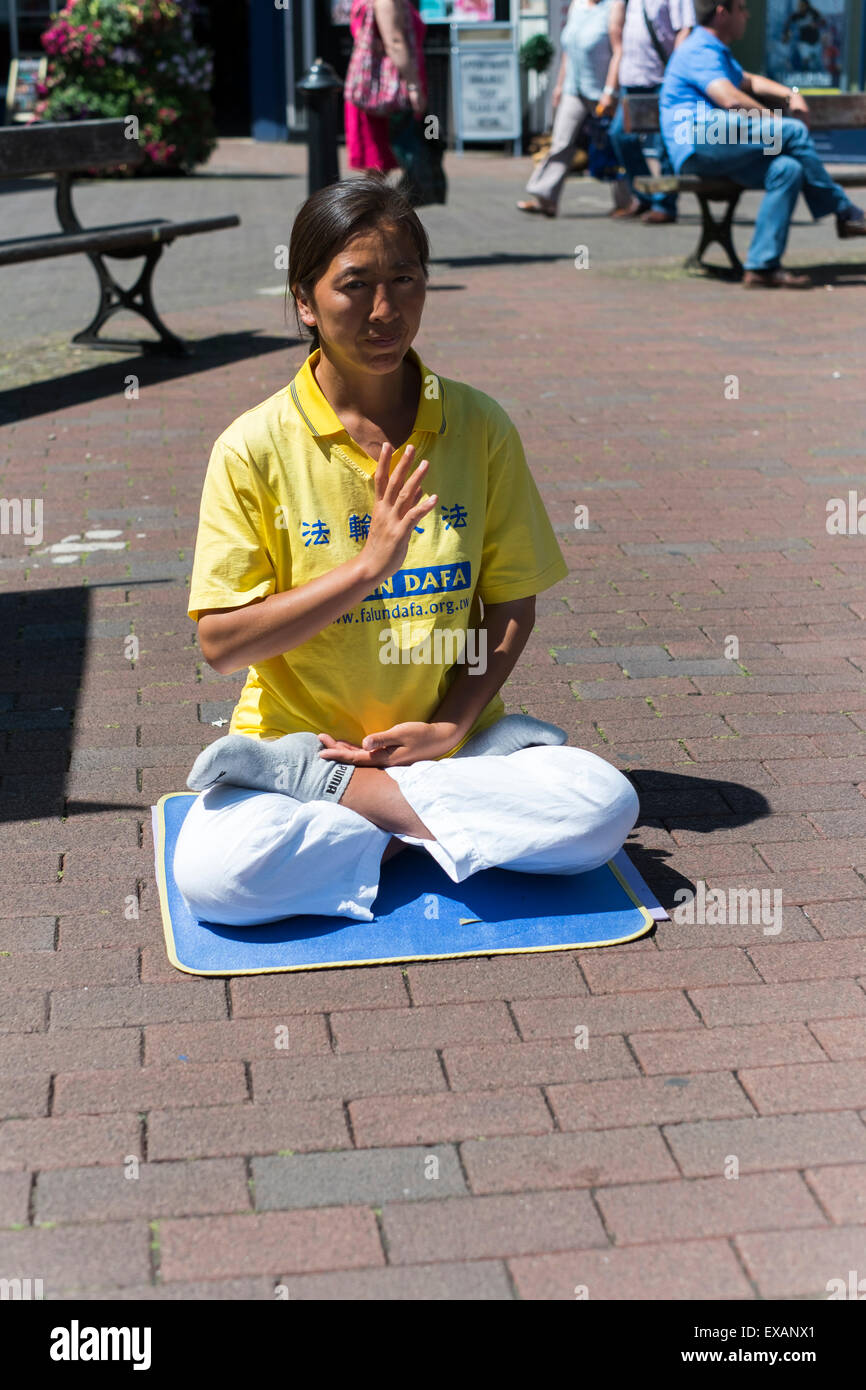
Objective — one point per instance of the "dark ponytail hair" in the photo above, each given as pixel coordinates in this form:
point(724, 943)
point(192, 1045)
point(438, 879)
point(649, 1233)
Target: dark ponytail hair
point(331, 217)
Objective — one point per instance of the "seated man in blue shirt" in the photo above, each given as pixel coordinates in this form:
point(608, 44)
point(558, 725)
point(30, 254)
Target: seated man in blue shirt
point(712, 132)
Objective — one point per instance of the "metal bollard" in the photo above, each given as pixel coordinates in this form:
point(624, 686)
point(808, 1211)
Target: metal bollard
point(321, 87)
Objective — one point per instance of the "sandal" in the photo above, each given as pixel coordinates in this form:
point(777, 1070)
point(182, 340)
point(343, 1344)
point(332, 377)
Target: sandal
point(537, 207)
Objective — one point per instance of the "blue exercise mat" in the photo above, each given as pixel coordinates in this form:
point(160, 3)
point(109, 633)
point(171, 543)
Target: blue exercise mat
point(419, 914)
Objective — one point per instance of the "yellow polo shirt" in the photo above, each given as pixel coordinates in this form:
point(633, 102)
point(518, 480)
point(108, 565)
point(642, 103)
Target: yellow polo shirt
point(288, 496)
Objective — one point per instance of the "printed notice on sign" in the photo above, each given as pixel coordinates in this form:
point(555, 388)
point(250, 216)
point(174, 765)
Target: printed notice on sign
point(489, 94)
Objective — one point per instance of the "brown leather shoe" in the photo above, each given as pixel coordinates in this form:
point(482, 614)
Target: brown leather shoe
point(852, 226)
point(655, 217)
point(778, 279)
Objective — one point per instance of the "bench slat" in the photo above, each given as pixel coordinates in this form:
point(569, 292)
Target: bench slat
point(54, 146)
point(719, 188)
point(126, 236)
point(847, 111)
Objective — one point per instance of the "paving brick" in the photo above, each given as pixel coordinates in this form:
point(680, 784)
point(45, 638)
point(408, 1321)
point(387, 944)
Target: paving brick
point(687, 969)
point(841, 1191)
point(479, 1281)
point(537, 1063)
point(726, 1049)
point(23, 1097)
point(61, 970)
point(318, 991)
point(381, 1121)
point(329, 1238)
point(804, 961)
point(806, 1087)
point(767, 1142)
point(146, 1088)
point(368, 1178)
point(693, 830)
point(237, 1039)
point(498, 977)
point(379, 1030)
point(46, 1052)
point(801, 1264)
point(14, 1199)
point(647, 1100)
point(110, 1255)
point(136, 1004)
point(210, 1290)
point(68, 1141)
point(648, 1213)
point(841, 1038)
point(739, 1004)
point(158, 1189)
point(768, 917)
point(480, 1227)
point(23, 1013)
point(594, 1159)
point(600, 1014)
point(224, 1130)
point(27, 933)
point(678, 1270)
point(356, 1074)
point(835, 920)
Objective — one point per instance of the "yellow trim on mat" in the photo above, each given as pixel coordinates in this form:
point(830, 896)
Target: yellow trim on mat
point(168, 931)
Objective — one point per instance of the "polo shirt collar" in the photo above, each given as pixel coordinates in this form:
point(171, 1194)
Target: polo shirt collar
point(321, 419)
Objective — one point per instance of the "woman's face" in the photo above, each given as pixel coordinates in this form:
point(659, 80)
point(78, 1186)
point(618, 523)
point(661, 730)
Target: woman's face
point(367, 305)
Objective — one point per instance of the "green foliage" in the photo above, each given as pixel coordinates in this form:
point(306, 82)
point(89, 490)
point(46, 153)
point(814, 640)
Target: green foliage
point(536, 53)
point(112, 58)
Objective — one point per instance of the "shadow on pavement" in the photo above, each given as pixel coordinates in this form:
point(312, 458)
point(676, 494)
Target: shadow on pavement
point(100, 381)
point(681, 802)
point(501, 258)
point(45, 634)
point(836, 273)
point(45, 640)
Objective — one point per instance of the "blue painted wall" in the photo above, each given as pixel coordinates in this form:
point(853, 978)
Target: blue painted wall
point(267, 73)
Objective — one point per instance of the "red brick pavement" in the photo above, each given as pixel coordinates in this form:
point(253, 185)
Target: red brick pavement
point(710, 1048)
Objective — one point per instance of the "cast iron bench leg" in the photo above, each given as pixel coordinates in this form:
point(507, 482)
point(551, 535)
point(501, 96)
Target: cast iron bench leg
point(713, 229)
point(137, 298)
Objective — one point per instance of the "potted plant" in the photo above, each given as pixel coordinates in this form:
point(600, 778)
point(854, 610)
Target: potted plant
point(133, 58)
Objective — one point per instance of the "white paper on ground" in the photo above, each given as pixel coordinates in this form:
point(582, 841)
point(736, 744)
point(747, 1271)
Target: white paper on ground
point(635, 881)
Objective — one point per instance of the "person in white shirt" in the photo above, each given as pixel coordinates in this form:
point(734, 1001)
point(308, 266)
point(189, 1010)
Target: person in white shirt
point(584, 84)
point(644, 34)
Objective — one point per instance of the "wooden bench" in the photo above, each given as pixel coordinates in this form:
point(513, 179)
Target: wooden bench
point(641, 114)
point(75, 147)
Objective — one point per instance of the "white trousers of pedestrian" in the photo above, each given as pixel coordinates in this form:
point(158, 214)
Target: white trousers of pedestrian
point(248, 857)
point(548, 176)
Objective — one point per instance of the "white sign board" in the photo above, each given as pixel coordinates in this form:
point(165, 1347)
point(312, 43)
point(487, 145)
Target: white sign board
point(489, 95)
point(486, 85)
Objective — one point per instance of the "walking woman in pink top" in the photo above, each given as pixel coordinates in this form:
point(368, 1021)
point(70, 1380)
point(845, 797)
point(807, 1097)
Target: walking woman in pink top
point(402, 31)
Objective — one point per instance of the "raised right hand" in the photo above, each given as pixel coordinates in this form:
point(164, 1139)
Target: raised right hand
point(397, 510)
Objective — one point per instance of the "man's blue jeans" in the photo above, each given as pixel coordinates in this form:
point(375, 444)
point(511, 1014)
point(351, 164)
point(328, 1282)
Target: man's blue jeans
point(629, 150)
point(796, 169)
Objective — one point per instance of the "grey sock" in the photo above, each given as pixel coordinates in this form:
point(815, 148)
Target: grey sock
point(511, 733)
point(291, 765)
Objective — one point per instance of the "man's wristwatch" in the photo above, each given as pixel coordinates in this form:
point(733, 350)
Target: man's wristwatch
point(609, 91)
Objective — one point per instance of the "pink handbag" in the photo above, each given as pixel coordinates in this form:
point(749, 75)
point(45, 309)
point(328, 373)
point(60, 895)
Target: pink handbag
point(372, 81)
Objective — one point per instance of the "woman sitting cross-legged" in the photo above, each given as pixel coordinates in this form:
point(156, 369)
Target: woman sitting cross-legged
point(370, 545)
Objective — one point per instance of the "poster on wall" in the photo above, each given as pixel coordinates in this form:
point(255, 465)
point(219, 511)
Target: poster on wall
point(806, 42)
point(481, 11)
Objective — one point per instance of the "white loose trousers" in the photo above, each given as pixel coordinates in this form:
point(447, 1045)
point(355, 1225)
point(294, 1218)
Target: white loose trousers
point(248, 857)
